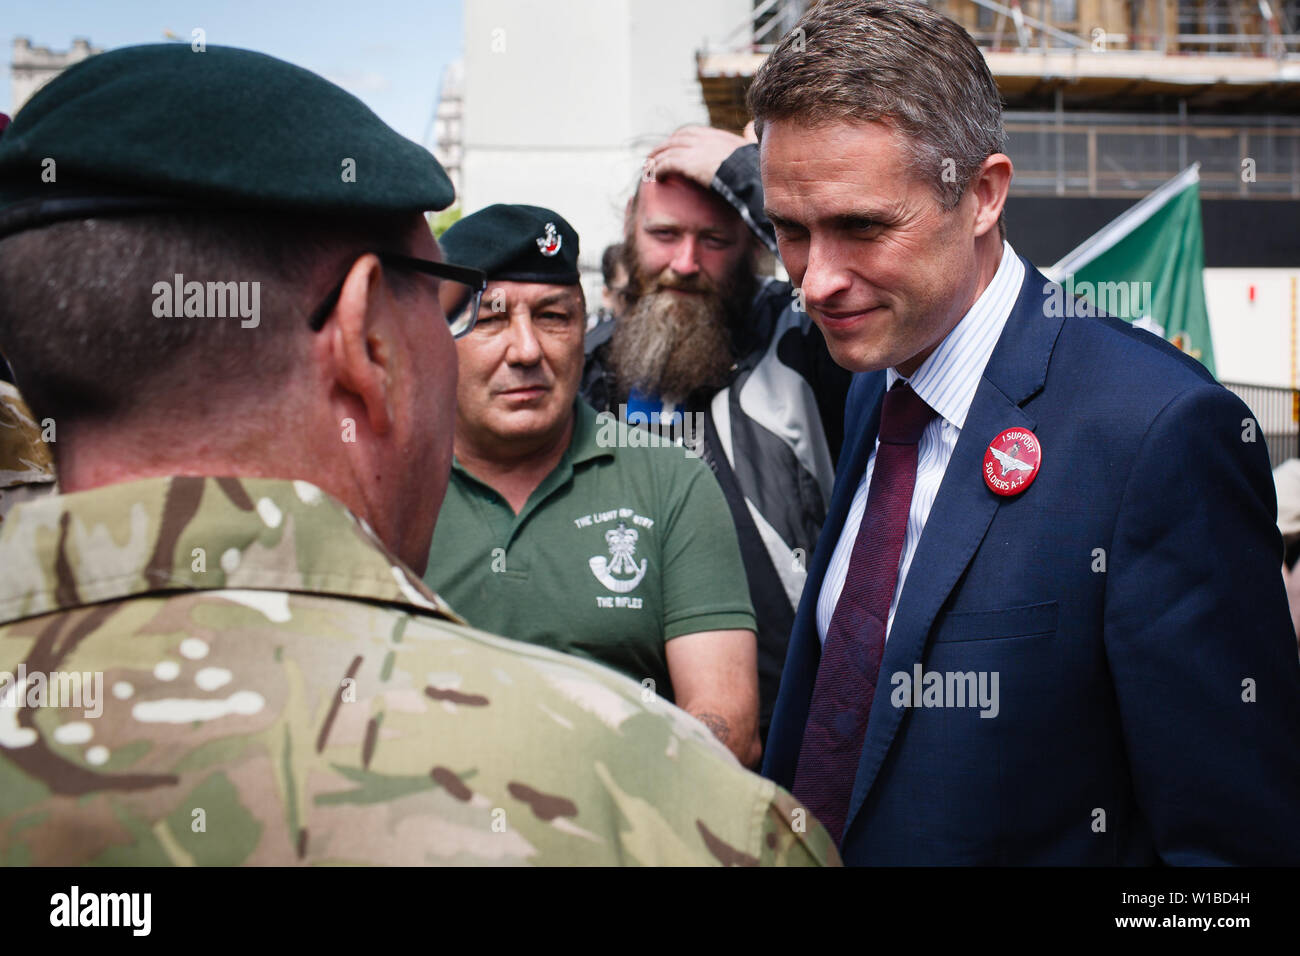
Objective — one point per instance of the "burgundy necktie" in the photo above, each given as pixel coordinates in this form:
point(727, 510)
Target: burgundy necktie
point(855, 640)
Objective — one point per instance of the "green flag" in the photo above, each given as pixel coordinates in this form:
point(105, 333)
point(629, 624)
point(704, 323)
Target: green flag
point(1146, 267)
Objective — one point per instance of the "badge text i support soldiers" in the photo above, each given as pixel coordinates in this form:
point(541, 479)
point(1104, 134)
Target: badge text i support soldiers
point(1012, 461)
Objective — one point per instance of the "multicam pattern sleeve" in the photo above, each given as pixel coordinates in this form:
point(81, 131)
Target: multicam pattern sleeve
point(233, 671)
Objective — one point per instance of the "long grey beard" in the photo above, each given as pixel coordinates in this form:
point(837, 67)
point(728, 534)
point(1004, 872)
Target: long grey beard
point(672, 345)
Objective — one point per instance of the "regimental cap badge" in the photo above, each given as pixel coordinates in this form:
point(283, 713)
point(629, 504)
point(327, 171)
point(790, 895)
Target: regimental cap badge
point(1012, 461)
point(549, 243)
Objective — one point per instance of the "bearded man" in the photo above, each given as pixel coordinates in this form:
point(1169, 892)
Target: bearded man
point(728, 361)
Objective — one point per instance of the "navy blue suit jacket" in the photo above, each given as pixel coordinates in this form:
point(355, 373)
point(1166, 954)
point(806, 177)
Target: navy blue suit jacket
point(1130, 600)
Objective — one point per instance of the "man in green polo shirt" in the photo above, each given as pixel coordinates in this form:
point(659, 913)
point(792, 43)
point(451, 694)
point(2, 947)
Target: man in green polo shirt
point(570, 530)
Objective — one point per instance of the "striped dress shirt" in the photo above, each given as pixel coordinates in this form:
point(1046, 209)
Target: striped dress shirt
point(946, 381)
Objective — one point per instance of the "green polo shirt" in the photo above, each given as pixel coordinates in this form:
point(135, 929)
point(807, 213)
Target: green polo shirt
point(627, 544)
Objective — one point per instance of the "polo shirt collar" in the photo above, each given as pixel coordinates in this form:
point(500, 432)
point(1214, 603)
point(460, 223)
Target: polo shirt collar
point(948, 379)
point(584, 443)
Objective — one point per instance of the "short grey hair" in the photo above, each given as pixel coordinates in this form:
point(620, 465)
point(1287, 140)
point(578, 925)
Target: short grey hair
point(77, 323)
point(893, 62)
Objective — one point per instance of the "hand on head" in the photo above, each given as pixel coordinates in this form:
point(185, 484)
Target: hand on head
point(694, 153)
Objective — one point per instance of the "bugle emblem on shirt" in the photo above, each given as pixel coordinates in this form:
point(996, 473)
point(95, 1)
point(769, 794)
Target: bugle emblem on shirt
point(622, 551)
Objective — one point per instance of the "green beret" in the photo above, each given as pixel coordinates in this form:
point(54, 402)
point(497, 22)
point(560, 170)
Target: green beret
point(515, 243)
point(163, 126)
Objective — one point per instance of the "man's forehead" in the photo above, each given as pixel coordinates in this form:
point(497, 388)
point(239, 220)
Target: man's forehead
point(680, 202)
point(843, 146)
point(842, 127)
point(533, 293)
point(861, 164)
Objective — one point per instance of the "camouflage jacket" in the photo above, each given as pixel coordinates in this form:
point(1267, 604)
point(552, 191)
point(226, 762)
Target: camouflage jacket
point(26, 466)
point(234, 671)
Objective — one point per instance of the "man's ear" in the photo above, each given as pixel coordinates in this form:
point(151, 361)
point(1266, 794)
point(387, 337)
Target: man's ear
point(360, 344)
point(990, 186)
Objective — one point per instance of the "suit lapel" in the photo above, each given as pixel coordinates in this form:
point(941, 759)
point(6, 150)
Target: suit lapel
point(850, 472)
point(962, 511)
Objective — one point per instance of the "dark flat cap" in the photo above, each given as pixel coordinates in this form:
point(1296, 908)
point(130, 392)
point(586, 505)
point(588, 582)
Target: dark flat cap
point(515, 243)
point(163, 126)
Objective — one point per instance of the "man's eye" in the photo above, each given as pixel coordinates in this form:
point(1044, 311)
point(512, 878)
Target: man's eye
point(717, 242)
point(665, 235)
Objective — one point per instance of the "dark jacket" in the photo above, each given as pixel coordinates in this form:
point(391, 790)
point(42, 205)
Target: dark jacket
point(1129, 600)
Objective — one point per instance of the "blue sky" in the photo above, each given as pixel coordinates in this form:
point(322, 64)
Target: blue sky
point(390, 53)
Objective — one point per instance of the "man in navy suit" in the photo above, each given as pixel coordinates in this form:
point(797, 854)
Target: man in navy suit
point(1044, 622)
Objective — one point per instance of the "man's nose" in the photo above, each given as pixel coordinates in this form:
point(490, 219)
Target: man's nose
point(524, 349)
point(686, 257)
point(824, 276)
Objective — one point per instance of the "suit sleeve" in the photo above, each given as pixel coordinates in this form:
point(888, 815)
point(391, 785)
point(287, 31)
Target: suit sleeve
point(738, 182)
point(1199, 639)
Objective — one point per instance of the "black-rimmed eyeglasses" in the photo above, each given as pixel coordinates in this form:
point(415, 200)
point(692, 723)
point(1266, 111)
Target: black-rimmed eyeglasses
point(460, 290)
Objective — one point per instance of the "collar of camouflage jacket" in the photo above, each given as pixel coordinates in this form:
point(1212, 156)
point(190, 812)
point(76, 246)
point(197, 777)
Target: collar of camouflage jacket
point(183, 534)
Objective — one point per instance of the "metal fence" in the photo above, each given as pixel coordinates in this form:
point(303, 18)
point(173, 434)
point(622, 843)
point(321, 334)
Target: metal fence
point(1117, 154)
point(1277, 410)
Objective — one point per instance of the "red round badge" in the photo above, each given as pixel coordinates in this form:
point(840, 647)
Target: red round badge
point(1012, 461)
